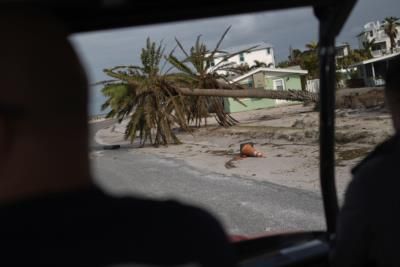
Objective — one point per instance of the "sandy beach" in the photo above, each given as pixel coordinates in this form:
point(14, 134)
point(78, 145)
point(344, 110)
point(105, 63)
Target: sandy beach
point(288, 137)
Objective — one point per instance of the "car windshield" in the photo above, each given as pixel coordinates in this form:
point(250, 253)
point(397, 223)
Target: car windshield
point(250, 153)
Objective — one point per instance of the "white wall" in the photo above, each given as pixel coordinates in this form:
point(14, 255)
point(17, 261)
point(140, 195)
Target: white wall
point(312, 86)
point(342, 49)
point(261, 55)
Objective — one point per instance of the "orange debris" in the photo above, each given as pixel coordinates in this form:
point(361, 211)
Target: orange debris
point(248, 150)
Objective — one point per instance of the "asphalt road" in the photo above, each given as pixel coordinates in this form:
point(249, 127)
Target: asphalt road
point(94, 127)
point(244, 206)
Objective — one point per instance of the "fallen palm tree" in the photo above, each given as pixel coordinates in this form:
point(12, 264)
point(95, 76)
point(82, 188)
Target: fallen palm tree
point(290, 95)
point(345, 98)
point(141, 95)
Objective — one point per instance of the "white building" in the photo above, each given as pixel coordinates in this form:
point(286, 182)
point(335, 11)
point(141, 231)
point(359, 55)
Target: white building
point(342, 50)
point(375, 30)
point(263, 53)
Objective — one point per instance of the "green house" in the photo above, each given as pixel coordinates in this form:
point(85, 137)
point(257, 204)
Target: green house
point(268, 78)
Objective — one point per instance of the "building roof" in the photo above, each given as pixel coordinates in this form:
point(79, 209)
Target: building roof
point(294, 67)
point(260, 46)
point(373, 25)
point(372, 60)
point(274, 70)
point(342, 45)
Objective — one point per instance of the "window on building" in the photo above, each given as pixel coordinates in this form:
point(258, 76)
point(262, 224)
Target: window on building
point(379, 46)
point(279, 84)
point(371, 34)
point(268, 51)
point(250, 83)
point(339, 52)
point(241, 57)
point(212, 63)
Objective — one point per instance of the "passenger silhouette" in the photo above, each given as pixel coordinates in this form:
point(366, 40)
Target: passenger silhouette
point(369, 222)
point(51, 212)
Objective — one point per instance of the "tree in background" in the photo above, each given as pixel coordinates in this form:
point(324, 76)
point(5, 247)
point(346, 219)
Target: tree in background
point(240, 69)
point(354, 56)
point(312, 46)
point(307, 59)
point(367, 48)
point(259, 64)
point(295, 57)
point(390, 27)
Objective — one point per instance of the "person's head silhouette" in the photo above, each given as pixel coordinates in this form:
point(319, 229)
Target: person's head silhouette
point(392, 91)
point(43, 117)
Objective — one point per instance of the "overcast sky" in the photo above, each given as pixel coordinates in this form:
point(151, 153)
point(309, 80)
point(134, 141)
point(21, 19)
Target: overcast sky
point(282, 29)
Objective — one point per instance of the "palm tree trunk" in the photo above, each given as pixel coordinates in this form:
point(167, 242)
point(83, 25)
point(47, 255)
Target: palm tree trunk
point(291, 95)
point(392, 44)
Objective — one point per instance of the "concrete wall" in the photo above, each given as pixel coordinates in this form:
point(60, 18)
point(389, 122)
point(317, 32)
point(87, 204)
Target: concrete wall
point(294, 82)
point(259, 79)
point(291, 81)
point(251, 104)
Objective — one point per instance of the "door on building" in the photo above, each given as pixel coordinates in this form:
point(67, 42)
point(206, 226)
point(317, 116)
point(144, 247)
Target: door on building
point(279, 84)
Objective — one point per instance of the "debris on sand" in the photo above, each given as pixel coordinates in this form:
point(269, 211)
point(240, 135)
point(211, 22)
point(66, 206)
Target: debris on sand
point(347, 137)
point(352, 153)
point(230, 164)
point(248, 150)
point(360, 98)
point(304, 123)
point(221, 152)
point(299, 124)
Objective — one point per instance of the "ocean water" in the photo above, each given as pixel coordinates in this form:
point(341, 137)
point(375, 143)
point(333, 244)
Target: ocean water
point(96, 99)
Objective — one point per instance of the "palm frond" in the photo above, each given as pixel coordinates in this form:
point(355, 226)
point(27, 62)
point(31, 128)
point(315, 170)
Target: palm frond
point(142, 95)
point(220, 41)
point(180, 65)
point(230, 55)
point(181, 47)
point(105, 82)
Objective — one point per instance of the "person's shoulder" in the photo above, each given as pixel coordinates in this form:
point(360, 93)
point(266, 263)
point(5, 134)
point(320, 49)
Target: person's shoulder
point(377, 171)
point(171, 211)
point(381, 160)
point(173, 226)
point(146, 204)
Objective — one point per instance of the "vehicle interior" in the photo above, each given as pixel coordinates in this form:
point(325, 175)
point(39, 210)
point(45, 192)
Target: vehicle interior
point(290, 249)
